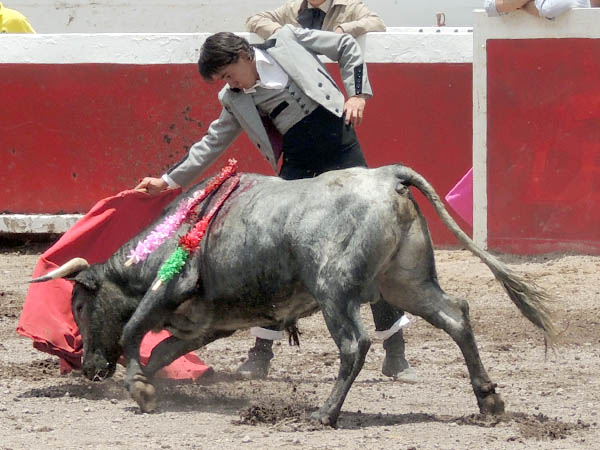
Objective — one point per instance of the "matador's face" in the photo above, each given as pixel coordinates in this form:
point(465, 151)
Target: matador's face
point(241, 74)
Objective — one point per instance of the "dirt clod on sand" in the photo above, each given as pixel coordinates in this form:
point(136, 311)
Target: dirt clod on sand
point(551, 401)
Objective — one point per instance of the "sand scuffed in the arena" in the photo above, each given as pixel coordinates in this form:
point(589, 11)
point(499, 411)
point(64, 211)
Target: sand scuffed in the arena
point(552, 402)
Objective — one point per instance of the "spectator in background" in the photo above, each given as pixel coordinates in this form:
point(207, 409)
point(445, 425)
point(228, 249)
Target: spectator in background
point(341, 16)
point(12, 21)
point(548, 9)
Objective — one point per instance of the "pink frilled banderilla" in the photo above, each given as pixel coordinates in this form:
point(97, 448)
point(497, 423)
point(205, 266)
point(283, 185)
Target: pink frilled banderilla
point(190, 242)
point(169, 226)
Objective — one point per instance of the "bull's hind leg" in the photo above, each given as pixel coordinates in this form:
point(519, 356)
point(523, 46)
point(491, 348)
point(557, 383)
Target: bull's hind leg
point(427, 300)
point(342, 317)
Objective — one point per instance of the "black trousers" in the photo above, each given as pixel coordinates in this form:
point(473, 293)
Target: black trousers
point(318, 143)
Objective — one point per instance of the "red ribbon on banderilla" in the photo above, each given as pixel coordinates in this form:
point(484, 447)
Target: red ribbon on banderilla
point(190, 242)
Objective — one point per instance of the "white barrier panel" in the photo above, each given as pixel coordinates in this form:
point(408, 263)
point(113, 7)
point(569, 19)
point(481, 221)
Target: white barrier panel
point(406, 46)
point(37, 223)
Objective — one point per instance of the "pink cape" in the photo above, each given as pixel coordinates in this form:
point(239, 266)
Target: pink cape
point(460, 197)
point(46, 317)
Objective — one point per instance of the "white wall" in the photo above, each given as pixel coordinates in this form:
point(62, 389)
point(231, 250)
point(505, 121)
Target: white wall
point(422, 12)
point(193, 16)
point(182, 48)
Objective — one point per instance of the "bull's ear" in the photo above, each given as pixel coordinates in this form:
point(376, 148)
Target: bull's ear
point(87, 278)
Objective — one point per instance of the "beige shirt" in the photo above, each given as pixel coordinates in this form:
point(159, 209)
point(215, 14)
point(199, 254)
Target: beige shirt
point(352, 16)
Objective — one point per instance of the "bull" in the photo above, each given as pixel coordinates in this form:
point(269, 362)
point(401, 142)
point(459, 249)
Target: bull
point(280, 250)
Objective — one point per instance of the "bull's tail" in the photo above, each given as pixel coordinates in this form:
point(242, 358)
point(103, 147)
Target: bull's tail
point(531, 300)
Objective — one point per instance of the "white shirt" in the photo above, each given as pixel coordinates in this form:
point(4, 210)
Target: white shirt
point(270, 74)
point(550, 9)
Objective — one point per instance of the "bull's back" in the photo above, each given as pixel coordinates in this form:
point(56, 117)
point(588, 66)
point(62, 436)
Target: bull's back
point(274, 234)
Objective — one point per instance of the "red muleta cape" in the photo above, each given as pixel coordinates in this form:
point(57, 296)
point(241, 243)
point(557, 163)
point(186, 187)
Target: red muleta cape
point(47, 318)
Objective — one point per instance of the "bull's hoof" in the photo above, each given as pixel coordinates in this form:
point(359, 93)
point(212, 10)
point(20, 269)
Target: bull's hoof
point(143, 393)
point(491, 405)
point(324, 418)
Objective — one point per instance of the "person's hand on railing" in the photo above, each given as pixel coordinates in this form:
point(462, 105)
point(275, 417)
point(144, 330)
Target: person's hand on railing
point(548, 9)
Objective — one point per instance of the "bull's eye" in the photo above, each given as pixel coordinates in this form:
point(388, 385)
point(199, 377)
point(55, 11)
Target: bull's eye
point(78, 308)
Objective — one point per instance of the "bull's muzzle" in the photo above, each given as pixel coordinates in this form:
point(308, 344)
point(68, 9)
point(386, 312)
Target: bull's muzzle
point(97, 368)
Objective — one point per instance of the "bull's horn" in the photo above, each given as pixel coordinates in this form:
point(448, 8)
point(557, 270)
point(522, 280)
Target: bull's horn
point(71, 266)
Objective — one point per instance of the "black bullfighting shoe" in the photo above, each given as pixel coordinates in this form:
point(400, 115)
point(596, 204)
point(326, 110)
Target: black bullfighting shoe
point(256, 367)
point(395, 363)
point(399, 369)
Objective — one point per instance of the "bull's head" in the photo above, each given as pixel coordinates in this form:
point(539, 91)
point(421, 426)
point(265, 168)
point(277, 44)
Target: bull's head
point(100, 311)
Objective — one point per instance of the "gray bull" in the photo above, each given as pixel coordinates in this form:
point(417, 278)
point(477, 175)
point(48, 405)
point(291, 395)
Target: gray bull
point(279, 250)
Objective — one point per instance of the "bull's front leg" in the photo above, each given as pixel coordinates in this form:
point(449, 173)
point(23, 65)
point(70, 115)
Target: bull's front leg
point(342, 317)
point(153, 308)
point(172, 348)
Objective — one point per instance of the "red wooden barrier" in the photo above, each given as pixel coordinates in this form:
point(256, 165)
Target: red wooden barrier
point(72, 134)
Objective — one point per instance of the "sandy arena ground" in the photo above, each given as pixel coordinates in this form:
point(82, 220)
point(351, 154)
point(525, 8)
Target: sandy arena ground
point(551, 403)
